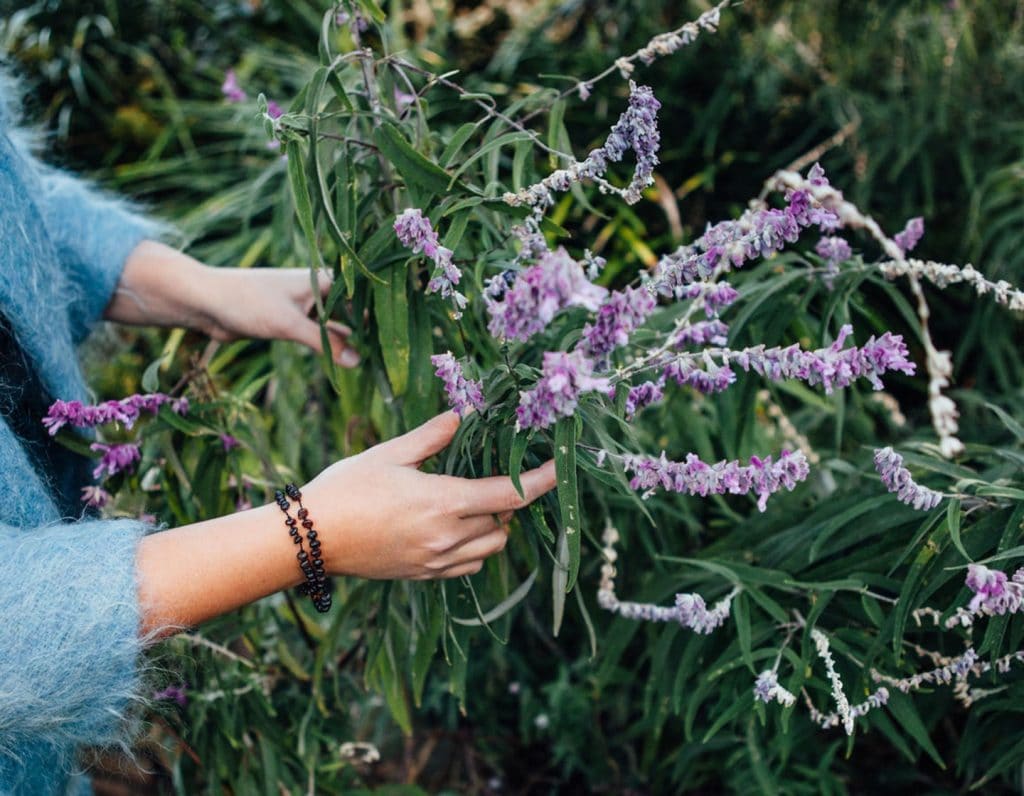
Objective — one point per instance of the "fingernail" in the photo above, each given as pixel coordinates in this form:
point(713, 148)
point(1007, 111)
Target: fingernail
point(349, 358)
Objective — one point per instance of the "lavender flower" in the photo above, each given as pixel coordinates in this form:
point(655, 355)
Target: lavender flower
point(620, 315)
point(538, 294)
point(710, 379)
point(229, 442)
point(463, 394)
point(115, 459)
point(689, 610)
point(230, 88)
point(832, 367)
point(702, 333)
point(173, 692)
point(126, 411)
point(843, 710)
point(759, 232)
point(636, 129)
point(414, 231)
point(643, 395)
point(994, 593)
point(834, 251)
point(95, 496)
point(564, 378)
point(274, 111)
point(763, 477)
point(911, 235)
point(767, 689)
point(896, 478)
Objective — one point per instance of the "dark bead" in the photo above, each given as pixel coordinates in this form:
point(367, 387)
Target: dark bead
point(293, 492)
point(293, 531)
point(302, 555)
point(307, 524)
point(318, 562)
point(311, 536)
point(296, 539)
point(314, 548)
point(303, 513)
point(290, 522)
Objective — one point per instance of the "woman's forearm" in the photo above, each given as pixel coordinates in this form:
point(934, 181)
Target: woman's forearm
point(190, 574)
point(161, 286)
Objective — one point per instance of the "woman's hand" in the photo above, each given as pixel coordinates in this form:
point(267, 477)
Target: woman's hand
point(380, 517)
point(164, 287)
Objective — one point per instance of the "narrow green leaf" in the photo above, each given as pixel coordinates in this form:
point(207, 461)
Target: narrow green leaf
point(568, 493)
point(410, 164)
point(741, 615)
point(391, 307)
point(515, 460)
point(902, 709)
point(953, 523)
point(303, 206)
point(502, 608)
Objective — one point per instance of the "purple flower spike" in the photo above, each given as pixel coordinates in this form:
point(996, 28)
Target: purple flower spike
point(230, 88)
point(994, 592)
point(896, 478)
point(911, 234)
point(274, 111)
point(115, 459)
point(229, 442)
point(763, 477)
point(414, 231)
point(622, 313)
point(644, 395)
point(126, 411)
point(463, 394)
point(175, 693)
point(539, 293)
point(564, 378)
point(95, 496)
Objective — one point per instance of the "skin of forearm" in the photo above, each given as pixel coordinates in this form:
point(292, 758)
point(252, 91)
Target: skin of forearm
point(161, 286)
point(190, 574)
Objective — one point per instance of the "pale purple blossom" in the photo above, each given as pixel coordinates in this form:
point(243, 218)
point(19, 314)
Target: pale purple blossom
point(126, 411)
point(911, 235)
point(231, 89)
point(709, 379)
point(274, 111)
point(622, 313)
point(833, 367)
point(767, 689)
point(564, 378)
point(763, 477)
point(538, 293)
point(701, 333)
point(644, 395)
point(415, 231)
point(463, 394)
point(229, 442)
point(833, 250)
point(897, 479)
point(95, 496)
point(174, 693)
point(759, 232)
point(115, 459)
point(994, 592)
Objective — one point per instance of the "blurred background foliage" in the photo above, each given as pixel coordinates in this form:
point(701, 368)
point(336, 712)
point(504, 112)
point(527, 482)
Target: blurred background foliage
point(927, 102)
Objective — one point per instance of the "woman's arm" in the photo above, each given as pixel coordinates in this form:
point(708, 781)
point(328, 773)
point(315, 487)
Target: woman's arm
point(161, 286)
point(376, 514)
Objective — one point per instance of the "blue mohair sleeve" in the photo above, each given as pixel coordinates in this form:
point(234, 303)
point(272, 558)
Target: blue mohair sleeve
point(69, 640)
point(93, 234)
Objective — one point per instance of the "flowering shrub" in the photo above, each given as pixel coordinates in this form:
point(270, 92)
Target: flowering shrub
point(463, 272)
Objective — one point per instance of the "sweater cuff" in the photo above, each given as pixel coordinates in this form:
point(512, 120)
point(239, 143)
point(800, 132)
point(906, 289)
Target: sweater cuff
point(70, 640)
point(94, 235)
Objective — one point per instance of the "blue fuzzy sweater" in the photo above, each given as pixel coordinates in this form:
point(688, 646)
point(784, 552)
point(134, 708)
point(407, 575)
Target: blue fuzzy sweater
point(69, 616)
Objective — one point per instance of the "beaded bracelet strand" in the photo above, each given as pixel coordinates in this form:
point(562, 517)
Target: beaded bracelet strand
point(317, 586)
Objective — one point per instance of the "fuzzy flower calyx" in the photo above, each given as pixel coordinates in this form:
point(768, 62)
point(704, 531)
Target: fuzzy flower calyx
point(463, 394)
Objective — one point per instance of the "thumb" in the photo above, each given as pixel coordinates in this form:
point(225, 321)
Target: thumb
point(422, 442)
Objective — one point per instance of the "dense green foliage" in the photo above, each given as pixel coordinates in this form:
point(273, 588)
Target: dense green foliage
point(608, 704)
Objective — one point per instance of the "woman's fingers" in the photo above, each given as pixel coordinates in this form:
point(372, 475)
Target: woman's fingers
point(498, 495)
point(307, 332)
point(476, 549)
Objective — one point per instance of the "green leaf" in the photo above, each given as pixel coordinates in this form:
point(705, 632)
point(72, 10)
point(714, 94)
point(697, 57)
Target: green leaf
point(503, 607)
point(568, 493)
point(458, 140)
point(151, 376)
point(391, 307)
point(741, 615)
point(410, 164)
point(490, 146)
point(953, 523)
point(303, 206)
point(371, 9)
point(903, 710)
point(1011, 424)
point(515, 460)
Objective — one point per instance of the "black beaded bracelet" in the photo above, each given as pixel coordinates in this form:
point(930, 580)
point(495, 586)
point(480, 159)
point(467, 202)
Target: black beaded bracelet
point(317, 585)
